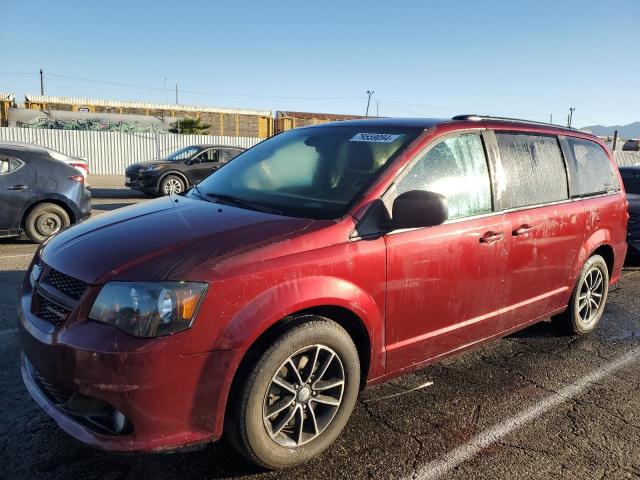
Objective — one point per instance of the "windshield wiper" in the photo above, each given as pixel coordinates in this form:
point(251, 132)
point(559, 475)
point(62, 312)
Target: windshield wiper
point(239, 202)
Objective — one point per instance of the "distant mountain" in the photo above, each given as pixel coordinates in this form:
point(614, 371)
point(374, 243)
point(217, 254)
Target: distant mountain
point(624, 131)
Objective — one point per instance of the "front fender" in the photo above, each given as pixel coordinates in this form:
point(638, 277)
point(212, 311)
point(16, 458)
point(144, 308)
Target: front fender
point(287, 298)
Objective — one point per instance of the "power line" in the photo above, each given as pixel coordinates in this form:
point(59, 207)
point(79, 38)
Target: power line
point(197, 92)
point(18, 73)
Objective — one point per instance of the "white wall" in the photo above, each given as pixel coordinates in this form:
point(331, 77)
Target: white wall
point(109, 153)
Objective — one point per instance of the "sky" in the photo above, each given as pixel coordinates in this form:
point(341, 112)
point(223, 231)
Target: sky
point(528, 59)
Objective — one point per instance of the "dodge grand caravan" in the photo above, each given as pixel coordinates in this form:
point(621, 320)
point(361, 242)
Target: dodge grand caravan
point(318, 262)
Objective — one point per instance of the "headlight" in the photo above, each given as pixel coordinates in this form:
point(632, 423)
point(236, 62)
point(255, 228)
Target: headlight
point(148, 309)
point(151, 168)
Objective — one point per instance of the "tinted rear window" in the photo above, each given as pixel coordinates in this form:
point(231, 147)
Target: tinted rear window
point(595, 174)
point(534, 169)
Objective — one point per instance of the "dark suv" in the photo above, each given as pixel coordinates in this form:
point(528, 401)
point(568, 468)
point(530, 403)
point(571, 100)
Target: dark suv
point(177, 172)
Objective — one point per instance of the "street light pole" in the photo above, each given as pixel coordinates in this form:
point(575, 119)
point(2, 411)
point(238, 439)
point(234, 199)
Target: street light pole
point(369, 92)
point(571, 109)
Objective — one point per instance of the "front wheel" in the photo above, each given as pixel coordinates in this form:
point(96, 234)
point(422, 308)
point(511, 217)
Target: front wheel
point(587, 300)
point(298, 396)
point(172, 185)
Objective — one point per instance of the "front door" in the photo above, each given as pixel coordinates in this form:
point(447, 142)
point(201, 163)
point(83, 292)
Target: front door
point(445, 283)
point(203, 165)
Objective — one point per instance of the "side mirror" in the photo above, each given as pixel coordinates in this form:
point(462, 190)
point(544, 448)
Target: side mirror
point(417, 208)
point(194, 161)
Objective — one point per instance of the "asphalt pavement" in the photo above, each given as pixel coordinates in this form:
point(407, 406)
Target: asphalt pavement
point(535, 405)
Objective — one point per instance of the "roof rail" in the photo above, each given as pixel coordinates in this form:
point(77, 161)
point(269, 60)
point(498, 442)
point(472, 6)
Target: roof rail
point(475, 117)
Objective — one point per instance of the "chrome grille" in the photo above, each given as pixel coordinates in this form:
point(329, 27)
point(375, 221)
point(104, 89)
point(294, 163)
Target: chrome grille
point(70, 286)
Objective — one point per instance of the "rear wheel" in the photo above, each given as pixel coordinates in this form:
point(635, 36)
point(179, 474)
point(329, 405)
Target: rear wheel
point(298, 396)
point(45, 220)
point(588, 299)
point(172, 185)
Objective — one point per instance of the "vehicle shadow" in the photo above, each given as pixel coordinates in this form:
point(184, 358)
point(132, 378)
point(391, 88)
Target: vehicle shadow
point(542, 329)
point(107, 207)
point(117, 193)
point(16, 241)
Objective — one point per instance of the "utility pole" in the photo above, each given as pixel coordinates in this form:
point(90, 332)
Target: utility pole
point(615, 140)
point(178, 122)
point(41, 82)
point(551, 118)
point(166, 94)
point(369, 92)
point(571, 109)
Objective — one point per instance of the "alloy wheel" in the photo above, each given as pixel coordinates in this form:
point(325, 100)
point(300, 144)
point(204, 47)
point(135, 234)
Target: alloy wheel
point(590, 295)
point(304, 396)
point(173, 186)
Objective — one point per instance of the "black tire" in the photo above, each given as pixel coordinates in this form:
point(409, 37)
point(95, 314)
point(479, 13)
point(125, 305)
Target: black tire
point(45, 220)
point(172, 184)
point(585, 309)
point(246, 423)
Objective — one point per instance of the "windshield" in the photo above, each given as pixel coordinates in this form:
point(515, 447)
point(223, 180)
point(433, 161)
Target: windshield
point(315, 172)
point(182, 154)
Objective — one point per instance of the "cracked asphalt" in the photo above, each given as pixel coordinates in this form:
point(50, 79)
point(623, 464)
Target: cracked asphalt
point(397, 428)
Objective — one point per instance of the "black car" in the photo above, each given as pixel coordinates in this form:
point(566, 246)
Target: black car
point(631, 180)
point(39, 195)
point(180, 170)
point(631, 146)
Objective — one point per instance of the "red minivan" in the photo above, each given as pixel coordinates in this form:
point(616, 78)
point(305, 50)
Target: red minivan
point(318, 262)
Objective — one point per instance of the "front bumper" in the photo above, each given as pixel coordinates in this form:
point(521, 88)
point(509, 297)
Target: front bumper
point(144, 182)
point(170, 401)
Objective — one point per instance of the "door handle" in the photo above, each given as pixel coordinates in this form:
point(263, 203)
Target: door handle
point(522, 230)
point(491, 237)
point(18, 188)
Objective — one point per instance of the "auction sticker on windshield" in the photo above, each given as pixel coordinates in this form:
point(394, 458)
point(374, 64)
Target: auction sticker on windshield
point(374, 137)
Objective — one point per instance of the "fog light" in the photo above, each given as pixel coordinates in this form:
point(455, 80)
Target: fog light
point(119, 421)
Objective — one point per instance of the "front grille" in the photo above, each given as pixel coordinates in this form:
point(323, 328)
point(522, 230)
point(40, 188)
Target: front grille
point(50, 311)
point(70, 286)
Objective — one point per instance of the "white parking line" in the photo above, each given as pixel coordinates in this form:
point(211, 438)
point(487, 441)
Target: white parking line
point(456, 457)
point(16, 256)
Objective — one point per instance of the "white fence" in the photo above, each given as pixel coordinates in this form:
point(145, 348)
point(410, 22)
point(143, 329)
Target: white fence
point(627, 158)
point(109, 153)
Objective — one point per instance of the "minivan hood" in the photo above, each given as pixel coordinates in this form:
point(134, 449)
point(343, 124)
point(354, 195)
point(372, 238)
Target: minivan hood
point(162, 239)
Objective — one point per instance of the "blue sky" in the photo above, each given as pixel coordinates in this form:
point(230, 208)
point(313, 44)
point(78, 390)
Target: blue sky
point(422, 58)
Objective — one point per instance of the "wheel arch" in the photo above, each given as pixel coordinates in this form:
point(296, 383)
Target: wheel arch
point(606, 251)
point(344, 317)
point(73, 217)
